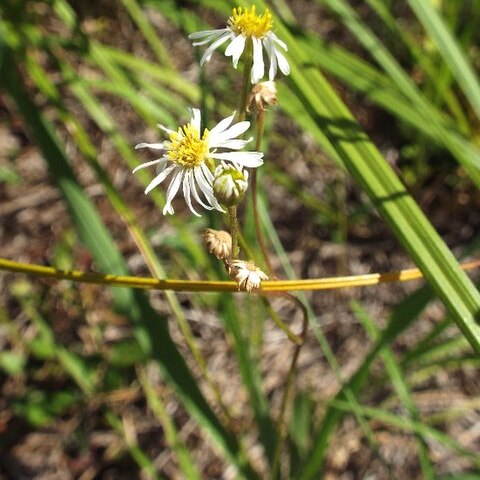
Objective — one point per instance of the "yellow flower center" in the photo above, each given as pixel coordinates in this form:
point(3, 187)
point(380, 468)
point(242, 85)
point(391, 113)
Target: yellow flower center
point(246, 22)
point(187, 148)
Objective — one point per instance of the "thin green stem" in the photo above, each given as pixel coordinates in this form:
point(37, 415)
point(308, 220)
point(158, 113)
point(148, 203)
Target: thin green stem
point(234, 231)
point(281, 424)
point(256, 216)
point(296, 339)
point(247, 69)
point(242, 109)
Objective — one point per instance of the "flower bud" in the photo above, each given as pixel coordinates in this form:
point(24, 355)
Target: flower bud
point(262, 95)
point(230, 183)
point(218, 243)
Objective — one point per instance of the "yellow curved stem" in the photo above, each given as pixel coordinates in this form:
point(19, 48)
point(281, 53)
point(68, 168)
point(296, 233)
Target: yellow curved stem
point(331, 283)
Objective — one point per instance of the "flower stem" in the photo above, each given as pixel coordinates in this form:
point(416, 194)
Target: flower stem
point(294, 338)
point(242, 109)
point(234, 231)
point(247, 69)
point(281, 423)
point(256, 216)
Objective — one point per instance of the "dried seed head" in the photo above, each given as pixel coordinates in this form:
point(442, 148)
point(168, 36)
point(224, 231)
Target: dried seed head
point(262, 95)
point(230, 183)
point(218, 243)
point(247, 275)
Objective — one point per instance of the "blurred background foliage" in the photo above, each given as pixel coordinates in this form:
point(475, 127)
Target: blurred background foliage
point(115, 383)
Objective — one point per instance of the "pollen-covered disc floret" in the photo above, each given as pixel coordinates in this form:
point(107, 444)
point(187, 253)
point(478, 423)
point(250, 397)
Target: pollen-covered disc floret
point(245, 26)
point(247, 275)
point(230, 182)
point(246, 22)
point(190, 157)
point(187, 148)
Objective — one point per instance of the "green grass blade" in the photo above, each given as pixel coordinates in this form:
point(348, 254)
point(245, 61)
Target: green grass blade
point(156, 404)
point(142, 67)
point(414, 427)
point(449, 49)
point(148, 32)
point(406, 87)
point(75, 366)
point(250, 376)
point(444, 365)
point(362, 77)
point(136, 452)
point(438, 351)
point(402, 317)
point(439, 79)
point(399, 384)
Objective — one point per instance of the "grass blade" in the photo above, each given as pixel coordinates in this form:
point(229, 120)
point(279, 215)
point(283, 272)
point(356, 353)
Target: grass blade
point(399, 384)
point(449, 49)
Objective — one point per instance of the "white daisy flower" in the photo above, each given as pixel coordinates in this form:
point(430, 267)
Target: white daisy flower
point(246, 26)
point(190, 157)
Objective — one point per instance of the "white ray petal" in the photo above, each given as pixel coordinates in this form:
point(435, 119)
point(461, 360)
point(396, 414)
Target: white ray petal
point(269, 47)
point(155, 146)
point(164, 128)
point(196, 196)
point(282, 62)
point(233, 144)
point(278, 41)
point(258, 68)
point(206, 35)
point(172, 191)
point(159, 178)
point(202, 174)
point(207, 174)
point(222, 125)
point(204, 185)
point(247, 159)
point(187, 191)
point(202, 181)
point(235, 49)
point(162, 160)
point(209, 51)
point(196, 119)
point(234, 131)
point(204, 42)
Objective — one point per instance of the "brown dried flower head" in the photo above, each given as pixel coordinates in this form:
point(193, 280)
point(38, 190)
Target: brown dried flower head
point(262, 95)
point(218, 242)
point(247, 275)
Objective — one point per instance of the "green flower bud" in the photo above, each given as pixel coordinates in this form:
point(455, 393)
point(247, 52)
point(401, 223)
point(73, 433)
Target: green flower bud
point(230, 183)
